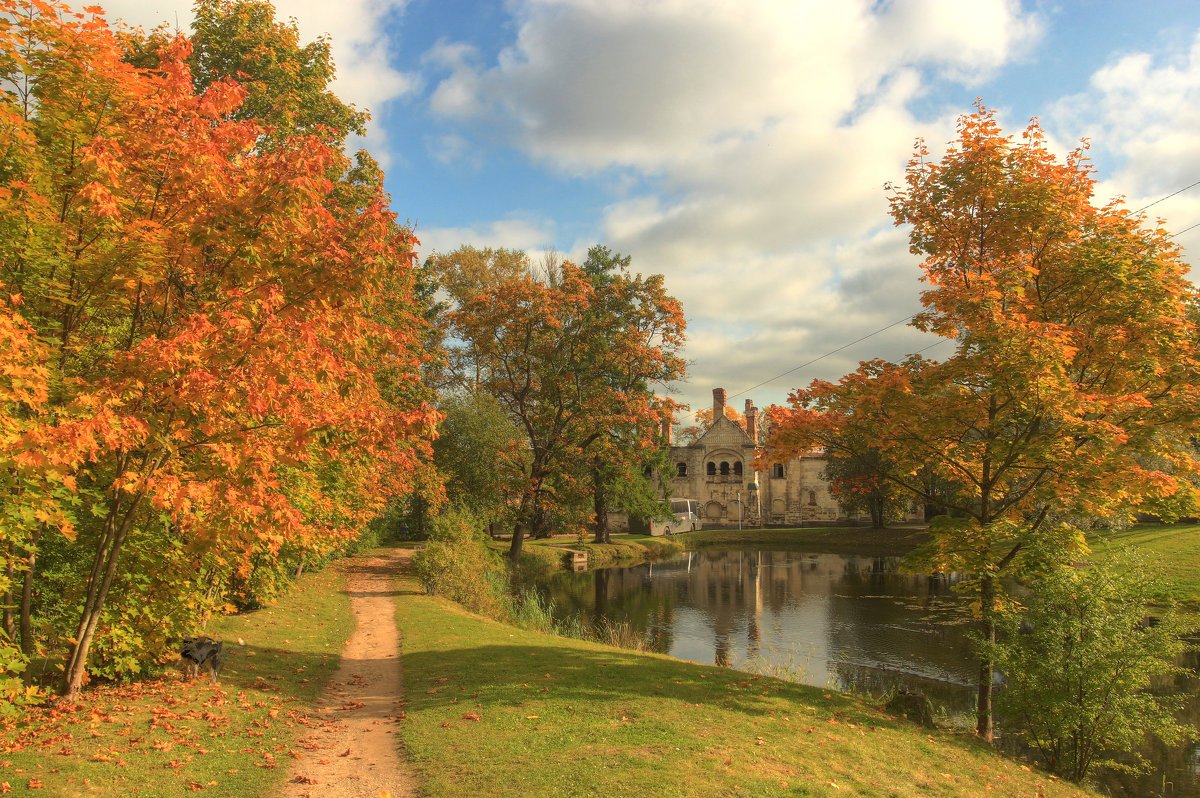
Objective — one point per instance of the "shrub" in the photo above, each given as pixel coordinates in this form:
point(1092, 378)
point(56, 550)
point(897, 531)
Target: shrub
point(14, 694)
point(1078, 663)
point(457, 563)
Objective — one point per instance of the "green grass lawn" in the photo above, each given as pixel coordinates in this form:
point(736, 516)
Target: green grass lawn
point(1173, 551)
point(168, 737)
point(497, 711)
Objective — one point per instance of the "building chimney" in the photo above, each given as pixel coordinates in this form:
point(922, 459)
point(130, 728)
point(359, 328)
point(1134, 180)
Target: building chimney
point(666, 430)
point(718, 404)
point(752, 422)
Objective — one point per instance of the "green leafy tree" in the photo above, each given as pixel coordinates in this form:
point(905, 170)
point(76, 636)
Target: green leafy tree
point(570, 358)
point(286, 81)
point(481, 455)
point(633, 485)
point(1079, 661)
point(857, 478)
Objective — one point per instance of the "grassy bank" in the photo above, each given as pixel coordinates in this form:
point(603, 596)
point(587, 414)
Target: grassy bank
point(1173, 552)
point(827, 539)
point(628, 549)
point(494, 710)
point(168, 737)
point(625, 549)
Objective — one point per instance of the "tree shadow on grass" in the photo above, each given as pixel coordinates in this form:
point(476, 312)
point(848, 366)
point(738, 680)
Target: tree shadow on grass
point(507, 676)
point(381, 573)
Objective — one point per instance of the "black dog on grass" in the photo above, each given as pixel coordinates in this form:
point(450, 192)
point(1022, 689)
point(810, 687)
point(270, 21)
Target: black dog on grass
point(198, 653)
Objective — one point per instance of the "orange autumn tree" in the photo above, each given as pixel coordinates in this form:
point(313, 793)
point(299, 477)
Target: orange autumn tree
point(1073, 390)
point(33, 498)
point(234, 336)
point(574, 359)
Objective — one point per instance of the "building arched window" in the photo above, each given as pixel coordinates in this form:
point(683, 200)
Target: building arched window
point(712, 469)
point(681, 469)
point(724, 469)
point(777, 471)
point(737, 469)
point(812, 498)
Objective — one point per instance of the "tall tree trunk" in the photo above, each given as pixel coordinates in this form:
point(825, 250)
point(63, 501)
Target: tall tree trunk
point(104, 569)
point(518, 540)
point(877, 518)
point(600, 505)
point(538, 528)
point(983, 711)
point(518, 535)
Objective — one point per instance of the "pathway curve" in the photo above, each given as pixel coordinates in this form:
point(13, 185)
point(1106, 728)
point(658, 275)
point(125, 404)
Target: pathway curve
point(354, 750)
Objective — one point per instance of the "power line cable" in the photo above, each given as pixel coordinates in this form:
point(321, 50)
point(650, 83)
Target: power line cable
point(827, 354)
point(1172, 194)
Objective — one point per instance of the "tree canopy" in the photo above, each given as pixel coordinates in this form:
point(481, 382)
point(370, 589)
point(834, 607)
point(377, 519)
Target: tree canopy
point(226, 340)
point(1073, 388)
point(573, 355)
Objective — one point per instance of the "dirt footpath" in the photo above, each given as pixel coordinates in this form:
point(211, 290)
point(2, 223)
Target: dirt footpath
point(354, 752)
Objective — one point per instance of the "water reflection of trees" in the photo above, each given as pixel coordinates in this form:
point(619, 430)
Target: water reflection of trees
point(907, 628)
point(617, 595)
point(745, 598)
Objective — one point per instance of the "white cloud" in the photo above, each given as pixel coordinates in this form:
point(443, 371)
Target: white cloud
point(590, 84)
point(765, 132)
point(532, 235)
point(1142, 111)
point(452, 149)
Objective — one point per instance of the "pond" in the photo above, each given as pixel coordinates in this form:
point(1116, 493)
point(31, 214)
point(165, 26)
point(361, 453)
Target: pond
point(827, 620)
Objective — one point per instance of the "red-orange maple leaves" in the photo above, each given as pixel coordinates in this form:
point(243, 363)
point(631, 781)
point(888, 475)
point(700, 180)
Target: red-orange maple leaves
point(228, 314)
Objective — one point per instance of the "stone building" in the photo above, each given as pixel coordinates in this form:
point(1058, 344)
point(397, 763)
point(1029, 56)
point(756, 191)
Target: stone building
point(718, 470)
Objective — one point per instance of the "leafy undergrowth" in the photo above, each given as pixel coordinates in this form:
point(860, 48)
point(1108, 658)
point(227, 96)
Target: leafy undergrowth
point(832, 539)
point(494, 710)
point(168, 736)
point(1173, 551)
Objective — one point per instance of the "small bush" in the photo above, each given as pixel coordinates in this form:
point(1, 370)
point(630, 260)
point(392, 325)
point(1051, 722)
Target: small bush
point(1078, 664)
point(456, 563)
point(14, 694)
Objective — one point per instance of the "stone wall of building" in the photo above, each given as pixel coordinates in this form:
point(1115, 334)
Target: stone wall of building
point(718, 470)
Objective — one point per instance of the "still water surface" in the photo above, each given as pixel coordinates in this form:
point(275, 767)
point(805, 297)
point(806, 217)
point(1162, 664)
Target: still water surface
point(845, 622)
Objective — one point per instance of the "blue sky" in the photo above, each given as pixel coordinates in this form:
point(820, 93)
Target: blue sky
point(741, 148)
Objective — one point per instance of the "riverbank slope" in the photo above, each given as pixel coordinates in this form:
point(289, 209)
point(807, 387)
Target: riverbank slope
point(496, 710)
point(631, 549)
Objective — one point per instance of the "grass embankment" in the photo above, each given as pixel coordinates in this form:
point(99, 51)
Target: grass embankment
point(498, 711)
point(1172, 553)
point(625, 549)
point(893, 542)
point(168, 737)
point(630, 548)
